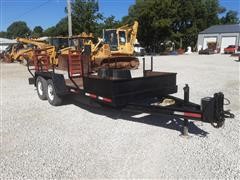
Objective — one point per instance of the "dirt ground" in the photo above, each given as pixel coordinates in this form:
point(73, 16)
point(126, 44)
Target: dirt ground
point(82, 140)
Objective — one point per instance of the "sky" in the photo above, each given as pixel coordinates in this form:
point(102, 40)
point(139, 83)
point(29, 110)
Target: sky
point(47, 13)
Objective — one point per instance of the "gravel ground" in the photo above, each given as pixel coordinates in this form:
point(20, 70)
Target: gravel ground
point(81, 141)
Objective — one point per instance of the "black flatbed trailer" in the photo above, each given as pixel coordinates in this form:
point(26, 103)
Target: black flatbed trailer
point(150, 93)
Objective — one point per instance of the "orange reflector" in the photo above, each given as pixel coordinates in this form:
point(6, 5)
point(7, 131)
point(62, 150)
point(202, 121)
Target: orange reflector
point(107, 100)
point(91, 95)
point(195, 115)
point(188, 114)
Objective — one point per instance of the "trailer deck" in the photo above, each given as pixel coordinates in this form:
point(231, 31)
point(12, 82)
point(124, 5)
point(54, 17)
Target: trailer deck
point(113, 87)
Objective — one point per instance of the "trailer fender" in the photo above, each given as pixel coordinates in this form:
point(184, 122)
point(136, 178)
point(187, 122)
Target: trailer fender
point(58, 81)
point(59, 84)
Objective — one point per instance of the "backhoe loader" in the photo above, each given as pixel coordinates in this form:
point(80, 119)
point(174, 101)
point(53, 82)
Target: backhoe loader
point(17, 52)
point(38, 44)
point(23, 51)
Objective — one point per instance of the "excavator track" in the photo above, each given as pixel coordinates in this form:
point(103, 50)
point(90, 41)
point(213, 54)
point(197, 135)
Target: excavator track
point(118, 62)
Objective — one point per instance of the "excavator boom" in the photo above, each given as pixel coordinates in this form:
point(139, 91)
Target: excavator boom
point(41, 45)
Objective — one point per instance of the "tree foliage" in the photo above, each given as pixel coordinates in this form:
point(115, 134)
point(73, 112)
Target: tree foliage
point(108, 23)
point(230, 18)
point(85, 15)
point(18, 29)
point(62, 27)
point(3, 34)
point(85, 18)
point(51, 31)
point(37, 32)
point(175, 20)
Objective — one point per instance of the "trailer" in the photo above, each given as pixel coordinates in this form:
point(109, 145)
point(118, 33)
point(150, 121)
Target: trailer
point(116, 88)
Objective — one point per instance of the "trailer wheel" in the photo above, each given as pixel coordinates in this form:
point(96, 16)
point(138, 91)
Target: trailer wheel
point(41, 85)
point(52, 97)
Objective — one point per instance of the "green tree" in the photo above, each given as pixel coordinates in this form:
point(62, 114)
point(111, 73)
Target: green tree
point(85, 16)
point(179, 21)
point(231, 17)
point(3, 34)
point(51, 31)
point(108, 23)
point(62, 27)
point(18, 29)
point(155, 20)
point(37, 31)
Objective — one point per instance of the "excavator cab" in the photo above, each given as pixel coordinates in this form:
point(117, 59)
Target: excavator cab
point(115, 38)
point(110, 37)
point(59, 42)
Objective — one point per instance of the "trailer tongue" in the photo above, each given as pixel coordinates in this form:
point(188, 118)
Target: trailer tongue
point(150, 93)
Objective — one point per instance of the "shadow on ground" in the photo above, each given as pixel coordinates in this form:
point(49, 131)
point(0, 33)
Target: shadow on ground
point(163, 121)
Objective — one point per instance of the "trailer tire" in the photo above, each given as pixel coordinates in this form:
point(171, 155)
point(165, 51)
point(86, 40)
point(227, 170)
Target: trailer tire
point(52, 97)
point(41, 85)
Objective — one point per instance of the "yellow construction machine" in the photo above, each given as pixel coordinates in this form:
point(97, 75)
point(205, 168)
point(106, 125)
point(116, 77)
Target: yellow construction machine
point(116, 48)
point(23, 51)
point(17, 52)
point(75, 43)
point(66, 45)
point(39, 44)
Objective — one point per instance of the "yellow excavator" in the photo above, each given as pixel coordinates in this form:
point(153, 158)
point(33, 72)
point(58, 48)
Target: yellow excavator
point(116, 48)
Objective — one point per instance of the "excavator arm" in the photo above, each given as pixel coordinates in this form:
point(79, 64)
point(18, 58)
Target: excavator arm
point(131, 31)
point(41, 45)
point(35, 42)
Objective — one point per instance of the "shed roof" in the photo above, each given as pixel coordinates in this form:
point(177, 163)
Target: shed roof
point(230, 28)
point(7, 41)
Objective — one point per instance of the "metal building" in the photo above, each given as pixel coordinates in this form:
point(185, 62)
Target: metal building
point(219, 37)
point(4, 43)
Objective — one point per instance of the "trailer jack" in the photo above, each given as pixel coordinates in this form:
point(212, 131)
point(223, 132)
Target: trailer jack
point(212, 110)
point(186, 100)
